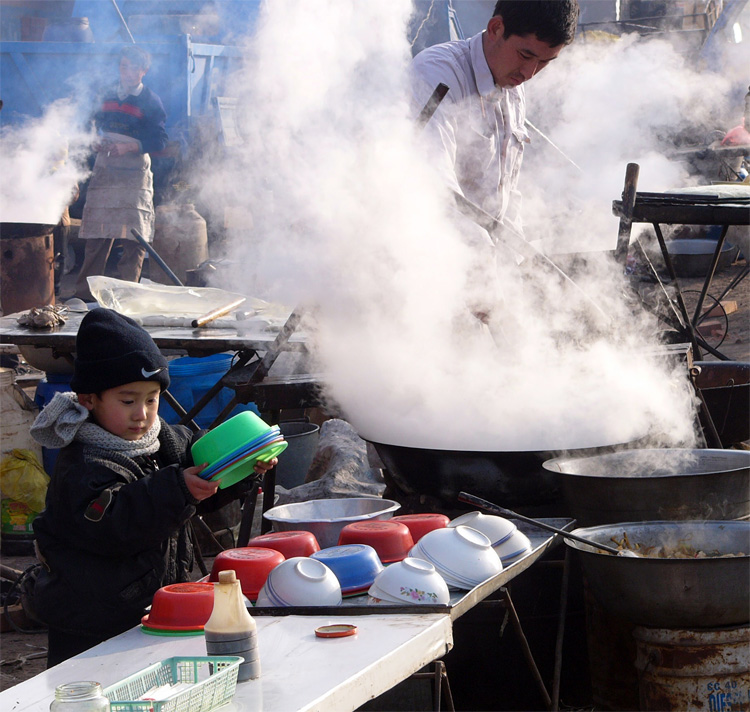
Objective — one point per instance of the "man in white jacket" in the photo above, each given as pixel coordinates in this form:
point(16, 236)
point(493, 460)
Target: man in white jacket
point(477, 134)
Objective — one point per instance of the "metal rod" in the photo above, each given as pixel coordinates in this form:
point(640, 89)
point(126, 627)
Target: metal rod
point(678, 292)
point(557, 671)
point(710, 274)
point(248, 514)
point(181, 412)
point(156, 256)
point(626, 218)
point(715, 439)
point(554, 145)
point(497, 509)
point(515, 620)
point(518, 243)
point(122, 19)
point(432, 104)
point(243, 357)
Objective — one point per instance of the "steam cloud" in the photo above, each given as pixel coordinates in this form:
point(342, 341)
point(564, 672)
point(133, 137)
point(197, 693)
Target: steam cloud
point(41, 162)
point(348, 220)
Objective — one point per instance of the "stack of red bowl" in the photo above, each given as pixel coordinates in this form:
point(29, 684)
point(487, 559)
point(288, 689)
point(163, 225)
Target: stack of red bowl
point(391, 540)
point(251, 564)
point(290, 544)
point(422, 523)
point(180, 608)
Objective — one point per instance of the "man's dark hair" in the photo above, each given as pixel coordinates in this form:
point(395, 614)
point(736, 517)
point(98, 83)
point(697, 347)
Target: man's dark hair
point(137, 56)
point(552, 21)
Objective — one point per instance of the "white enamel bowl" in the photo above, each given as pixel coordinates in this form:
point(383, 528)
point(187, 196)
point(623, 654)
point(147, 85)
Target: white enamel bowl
point(513, 548)
point(411, 581)
point(463, 556)
point(496, 529)
point(300, 581)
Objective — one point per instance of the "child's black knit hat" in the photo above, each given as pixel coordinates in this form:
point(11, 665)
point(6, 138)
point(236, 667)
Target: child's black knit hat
point(111, 350)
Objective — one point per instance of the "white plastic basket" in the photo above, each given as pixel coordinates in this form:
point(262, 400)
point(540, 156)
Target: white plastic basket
point(212, 682)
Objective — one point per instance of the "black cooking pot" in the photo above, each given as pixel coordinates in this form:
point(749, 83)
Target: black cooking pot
point(20, 229)
point(509, 478)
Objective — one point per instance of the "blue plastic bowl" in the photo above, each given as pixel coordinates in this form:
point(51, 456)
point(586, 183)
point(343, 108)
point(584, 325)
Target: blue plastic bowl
point(355, 565)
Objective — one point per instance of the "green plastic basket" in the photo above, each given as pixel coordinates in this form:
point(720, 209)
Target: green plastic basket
point(213, 681)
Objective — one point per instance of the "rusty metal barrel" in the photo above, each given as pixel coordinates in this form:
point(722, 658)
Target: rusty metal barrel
point(702, 670)
point(27, 266)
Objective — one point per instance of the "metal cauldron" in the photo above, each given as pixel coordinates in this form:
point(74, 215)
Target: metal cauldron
point(649, 484)
point(671, 593)
point(27, 266)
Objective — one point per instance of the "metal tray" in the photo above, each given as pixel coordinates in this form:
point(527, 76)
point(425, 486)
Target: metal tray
point(460, 601)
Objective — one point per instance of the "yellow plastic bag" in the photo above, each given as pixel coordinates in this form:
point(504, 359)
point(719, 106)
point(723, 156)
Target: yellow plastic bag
point(23, 479)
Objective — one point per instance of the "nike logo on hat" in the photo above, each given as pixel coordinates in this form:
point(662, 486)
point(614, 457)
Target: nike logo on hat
point(148, 374)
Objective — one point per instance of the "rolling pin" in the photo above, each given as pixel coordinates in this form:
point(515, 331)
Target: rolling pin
point(216, 313)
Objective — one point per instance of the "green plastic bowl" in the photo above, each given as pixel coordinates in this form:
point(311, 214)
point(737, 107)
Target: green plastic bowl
point(231, 435)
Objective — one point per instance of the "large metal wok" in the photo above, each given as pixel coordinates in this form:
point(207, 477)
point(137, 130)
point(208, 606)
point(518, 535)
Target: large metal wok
point(671, 593)
point(511, 478)
point(648, 484)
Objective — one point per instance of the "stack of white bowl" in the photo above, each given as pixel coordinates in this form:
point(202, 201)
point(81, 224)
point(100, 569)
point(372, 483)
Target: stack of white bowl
point(507, 540)
point(300, 581)
point(463, 556)
point(410, 581)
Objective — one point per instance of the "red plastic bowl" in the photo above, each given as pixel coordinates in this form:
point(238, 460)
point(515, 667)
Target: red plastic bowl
point(251, 564)
point(421, 524)
point(391, 540)
point(293, 543)
point(181, 606)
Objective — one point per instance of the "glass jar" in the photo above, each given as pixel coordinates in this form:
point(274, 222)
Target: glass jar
point(79, 697)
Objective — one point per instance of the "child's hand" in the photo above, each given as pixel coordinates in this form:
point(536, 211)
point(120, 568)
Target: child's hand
point(198, 487)
point(262, 467)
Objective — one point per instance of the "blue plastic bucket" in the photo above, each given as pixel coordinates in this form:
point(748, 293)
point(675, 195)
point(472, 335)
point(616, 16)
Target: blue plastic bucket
point(191, 378)
point(45, 391)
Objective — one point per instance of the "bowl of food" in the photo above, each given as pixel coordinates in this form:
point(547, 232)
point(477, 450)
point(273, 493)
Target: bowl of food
point(411, 581)
point(355, 566)
point(327, 517)
point(300, 581)
point(251, 565)
point(688, 574)
point(290, 544)
point(391, 540)
point(180, 607)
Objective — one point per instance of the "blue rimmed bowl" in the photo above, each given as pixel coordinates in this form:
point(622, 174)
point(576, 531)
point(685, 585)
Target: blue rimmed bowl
point(355, 566)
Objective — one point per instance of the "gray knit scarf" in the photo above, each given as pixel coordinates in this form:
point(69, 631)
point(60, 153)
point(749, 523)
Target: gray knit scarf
point(64, 419)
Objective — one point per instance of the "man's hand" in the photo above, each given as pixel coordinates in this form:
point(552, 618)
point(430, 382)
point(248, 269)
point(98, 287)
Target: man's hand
point(121, 148)
point(198, 487)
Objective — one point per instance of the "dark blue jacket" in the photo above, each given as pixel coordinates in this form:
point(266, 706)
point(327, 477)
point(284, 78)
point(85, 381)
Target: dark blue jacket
point(142, 117)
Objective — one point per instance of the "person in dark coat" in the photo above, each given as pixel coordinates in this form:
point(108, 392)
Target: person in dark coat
point(115, 528)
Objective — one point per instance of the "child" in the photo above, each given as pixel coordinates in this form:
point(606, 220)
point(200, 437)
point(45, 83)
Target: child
point(116, 524)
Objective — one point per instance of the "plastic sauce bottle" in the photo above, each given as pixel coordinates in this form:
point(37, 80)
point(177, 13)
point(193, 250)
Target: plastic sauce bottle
point(79, 697)
point(231, 630)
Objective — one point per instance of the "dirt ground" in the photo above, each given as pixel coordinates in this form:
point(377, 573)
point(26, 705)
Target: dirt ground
point(23, 654)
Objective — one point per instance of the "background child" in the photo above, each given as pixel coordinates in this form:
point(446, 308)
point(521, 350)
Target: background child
point(116, 524)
